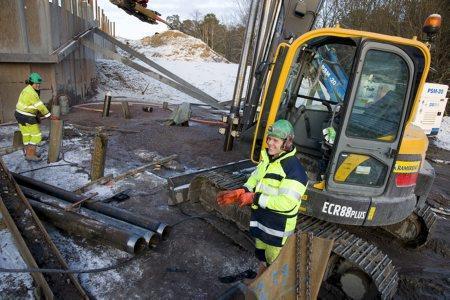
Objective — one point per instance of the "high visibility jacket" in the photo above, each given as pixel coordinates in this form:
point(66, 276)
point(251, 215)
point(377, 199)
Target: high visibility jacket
point(29, 103)
point(279, 184)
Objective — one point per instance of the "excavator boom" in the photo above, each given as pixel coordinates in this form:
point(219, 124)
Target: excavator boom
point(138, 8)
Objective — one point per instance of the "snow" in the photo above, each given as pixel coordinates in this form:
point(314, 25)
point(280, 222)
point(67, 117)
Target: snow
point(443, 137)
point(179, 53)
point(175, 45)
point(11, 259)
point(216, 79)
point(92, 257)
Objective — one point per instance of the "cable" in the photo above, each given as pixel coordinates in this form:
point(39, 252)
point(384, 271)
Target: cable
point(71, 271)
point(44, 167)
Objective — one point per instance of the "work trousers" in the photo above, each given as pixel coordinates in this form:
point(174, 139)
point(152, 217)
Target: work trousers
point(31, 134)
point(266, 253)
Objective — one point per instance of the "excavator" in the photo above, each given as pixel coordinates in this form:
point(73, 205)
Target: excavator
point(367, 87)
point(138, 8)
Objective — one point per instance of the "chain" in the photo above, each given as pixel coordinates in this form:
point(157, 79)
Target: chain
point(298, 256)
point(309, 265)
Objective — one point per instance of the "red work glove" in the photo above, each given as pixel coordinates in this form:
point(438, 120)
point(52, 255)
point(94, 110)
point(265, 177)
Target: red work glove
point(53, 118)
point(229, 197)
point(246, 199)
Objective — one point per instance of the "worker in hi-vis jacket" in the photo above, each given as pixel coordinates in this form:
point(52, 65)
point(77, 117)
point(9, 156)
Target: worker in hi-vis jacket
point(274, 191)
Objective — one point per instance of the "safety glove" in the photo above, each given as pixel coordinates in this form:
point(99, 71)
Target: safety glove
point(229, 197)
point(329, 134)
point(246, 199)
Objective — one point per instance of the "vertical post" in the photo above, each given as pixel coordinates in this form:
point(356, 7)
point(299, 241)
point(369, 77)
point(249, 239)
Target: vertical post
point(126, 110)
point(106, 105)
point(99, 156)
point(55, 143)
point(17, 139)
point(240, 78)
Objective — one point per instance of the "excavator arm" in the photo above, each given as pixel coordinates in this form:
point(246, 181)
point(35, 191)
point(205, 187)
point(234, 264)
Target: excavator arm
point(138, 8)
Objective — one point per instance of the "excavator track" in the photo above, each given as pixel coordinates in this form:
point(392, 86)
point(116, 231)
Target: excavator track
point(359, 253)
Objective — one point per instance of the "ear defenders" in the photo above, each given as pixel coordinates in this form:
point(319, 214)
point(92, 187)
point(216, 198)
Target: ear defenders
point(288, 143)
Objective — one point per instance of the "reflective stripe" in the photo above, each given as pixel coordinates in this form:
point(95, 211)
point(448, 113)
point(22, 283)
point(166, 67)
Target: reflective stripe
point(37, 134)
point(25, 113)
point(277, 233)
point(47, 115)
point(26, 134)
point(266, 189)
point(37, 104)
point(262, 201)
point(292, 193)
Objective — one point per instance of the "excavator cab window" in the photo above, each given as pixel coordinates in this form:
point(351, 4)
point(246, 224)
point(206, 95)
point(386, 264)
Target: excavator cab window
point(316, 86)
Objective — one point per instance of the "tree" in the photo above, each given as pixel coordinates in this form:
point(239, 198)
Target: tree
point(174, 22)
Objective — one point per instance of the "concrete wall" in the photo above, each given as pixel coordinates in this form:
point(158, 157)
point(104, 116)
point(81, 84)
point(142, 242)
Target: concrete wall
point(33, 33)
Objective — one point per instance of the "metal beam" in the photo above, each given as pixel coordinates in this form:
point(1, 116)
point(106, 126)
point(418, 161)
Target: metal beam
point(153, 64)
point(64, 50)
point(150, 73)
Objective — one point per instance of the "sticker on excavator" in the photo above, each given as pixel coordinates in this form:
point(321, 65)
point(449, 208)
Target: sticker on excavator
point(342, 211)
point(406, 166)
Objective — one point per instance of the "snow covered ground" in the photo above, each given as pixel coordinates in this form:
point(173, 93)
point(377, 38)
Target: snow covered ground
point(183, 55)
point(443, 137)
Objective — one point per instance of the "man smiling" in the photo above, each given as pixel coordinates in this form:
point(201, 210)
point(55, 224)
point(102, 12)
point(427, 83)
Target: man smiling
point(274, 191)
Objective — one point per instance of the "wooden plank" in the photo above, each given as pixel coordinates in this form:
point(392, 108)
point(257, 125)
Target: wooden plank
point(44, 239)
point(126, 110)
point(25, 252)
point(142, 168)
point(152, 74)
point(99, 156)
point(55, 140)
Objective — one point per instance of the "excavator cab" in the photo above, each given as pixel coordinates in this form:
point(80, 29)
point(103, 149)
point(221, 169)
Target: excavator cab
point(366, 87)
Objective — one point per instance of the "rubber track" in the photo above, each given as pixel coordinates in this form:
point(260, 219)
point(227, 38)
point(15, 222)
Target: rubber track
point(366, 256)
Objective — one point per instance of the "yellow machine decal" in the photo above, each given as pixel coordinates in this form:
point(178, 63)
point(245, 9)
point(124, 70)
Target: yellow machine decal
point(371, 213)
point(406, 166)
point(349, 165)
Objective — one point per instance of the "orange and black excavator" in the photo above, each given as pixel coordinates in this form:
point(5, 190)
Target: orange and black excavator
point(138, 8)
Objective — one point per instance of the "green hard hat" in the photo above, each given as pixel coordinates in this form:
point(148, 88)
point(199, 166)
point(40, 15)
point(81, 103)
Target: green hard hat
point(281, 129)
point(35, 78)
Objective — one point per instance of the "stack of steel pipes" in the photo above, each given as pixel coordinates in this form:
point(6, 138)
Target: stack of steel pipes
point(96, 220)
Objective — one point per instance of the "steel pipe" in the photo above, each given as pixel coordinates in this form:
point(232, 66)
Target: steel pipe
point(145, 222)
point(89, 228)
point(150, 237)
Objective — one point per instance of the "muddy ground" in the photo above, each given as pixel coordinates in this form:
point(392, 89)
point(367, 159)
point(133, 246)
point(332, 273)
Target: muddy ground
point(188, 263)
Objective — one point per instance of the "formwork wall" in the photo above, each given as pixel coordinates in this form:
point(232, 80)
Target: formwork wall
point(33, 33)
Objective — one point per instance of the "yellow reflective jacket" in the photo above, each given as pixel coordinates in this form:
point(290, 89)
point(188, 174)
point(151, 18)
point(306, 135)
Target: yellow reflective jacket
point(279, 184)
point(29, 103)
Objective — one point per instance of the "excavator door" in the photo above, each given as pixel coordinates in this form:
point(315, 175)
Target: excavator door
point(372, 121)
